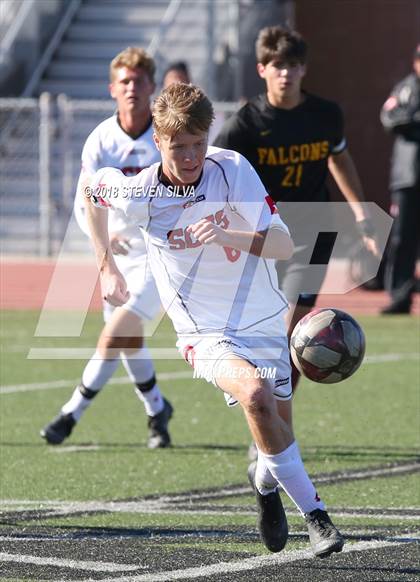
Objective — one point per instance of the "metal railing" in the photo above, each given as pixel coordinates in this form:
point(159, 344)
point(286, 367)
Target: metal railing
point(167, 19)
point(46, 58)
point(13, 15)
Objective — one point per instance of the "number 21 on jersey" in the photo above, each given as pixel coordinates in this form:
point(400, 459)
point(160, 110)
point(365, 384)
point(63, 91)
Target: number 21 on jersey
point(292, 176)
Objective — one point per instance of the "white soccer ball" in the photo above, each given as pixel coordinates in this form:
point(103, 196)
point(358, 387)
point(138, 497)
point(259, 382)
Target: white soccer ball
point(327, 345)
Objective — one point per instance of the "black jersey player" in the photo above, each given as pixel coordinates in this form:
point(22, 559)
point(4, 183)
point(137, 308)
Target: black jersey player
point(294, 139)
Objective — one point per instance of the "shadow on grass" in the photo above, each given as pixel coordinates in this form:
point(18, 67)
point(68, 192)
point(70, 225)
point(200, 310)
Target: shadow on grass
point(359, 453)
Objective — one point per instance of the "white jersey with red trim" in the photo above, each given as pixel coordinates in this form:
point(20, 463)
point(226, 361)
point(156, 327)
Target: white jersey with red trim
point(109, 146)
point(205, 289)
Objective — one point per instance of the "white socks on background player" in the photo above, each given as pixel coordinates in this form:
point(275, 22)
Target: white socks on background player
point(287, 469)
point(95, 375)
point(98, 372)
point(142, 372)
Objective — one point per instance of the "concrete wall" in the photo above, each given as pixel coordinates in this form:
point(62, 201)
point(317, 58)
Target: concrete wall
point(359, 49)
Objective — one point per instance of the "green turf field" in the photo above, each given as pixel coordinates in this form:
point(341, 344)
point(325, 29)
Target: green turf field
point(346, 432)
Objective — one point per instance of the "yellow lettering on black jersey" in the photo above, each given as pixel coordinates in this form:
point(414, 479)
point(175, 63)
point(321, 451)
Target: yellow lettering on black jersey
point(262, 155)
point(271, 159)
point(293, 154)
point(304, 152)
point(315, 151)
point(283, 158)
point(325, 148)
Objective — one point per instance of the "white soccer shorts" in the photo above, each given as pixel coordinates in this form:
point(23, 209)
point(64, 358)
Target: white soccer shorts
point(269, 355)
point(144, 297)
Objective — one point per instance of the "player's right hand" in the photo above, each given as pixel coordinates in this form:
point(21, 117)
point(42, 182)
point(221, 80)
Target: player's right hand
point(119, 245)
point(114, 288)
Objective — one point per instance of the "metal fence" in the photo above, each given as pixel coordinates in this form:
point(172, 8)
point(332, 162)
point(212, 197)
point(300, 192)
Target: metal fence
point(40, 146)
point(20, 160)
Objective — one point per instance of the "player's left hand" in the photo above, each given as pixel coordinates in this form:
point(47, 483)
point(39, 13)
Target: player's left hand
point(367, 232)
point(207, 232)
point(371, 245)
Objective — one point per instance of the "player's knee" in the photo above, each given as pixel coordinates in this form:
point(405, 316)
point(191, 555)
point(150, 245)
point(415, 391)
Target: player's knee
point(259, 400)
point(109, 346)
point(131, 344)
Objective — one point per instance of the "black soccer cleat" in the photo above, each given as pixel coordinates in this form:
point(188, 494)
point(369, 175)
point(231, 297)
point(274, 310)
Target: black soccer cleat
point(159, 437)
point(59, 429)
point(323, 535)
point(272, 521)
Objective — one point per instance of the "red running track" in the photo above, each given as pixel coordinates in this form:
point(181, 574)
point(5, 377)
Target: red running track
point(24, 284)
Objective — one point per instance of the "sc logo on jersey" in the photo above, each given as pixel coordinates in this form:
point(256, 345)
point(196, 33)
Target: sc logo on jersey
point(180, 239)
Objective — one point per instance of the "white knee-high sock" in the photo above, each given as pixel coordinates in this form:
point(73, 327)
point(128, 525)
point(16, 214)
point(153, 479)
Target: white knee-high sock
point(287, 467)
point(77, 404)
point(98, 371)
point(95, 375)
point(141, 371)
point(264, 480)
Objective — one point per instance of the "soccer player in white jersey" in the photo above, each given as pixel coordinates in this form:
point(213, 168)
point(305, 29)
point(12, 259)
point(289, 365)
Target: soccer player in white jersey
point(123, 141)
point(213, 234)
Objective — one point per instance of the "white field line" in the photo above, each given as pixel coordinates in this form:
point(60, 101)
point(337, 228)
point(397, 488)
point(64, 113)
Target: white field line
point(13, 388)
point(410, 537)
point(167, 376)
point(172, 502)
point(26, 504)
point(353, 475)
point(150, 504)
point(51, 353)
point(223, 512)
point(75, 449)
point(244, 565)
point(348, 475)
point(195, 572)
point(76, 564)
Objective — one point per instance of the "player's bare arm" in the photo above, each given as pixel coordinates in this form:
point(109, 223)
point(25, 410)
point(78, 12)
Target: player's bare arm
point(113, 285)
point(272, 243)
point(344, 172)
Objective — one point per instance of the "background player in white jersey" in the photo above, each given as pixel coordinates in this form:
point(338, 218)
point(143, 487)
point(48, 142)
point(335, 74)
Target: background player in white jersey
point(123, 141)
point(212, 247)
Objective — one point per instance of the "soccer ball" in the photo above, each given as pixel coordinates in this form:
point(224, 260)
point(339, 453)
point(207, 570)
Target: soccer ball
point(327, 345)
